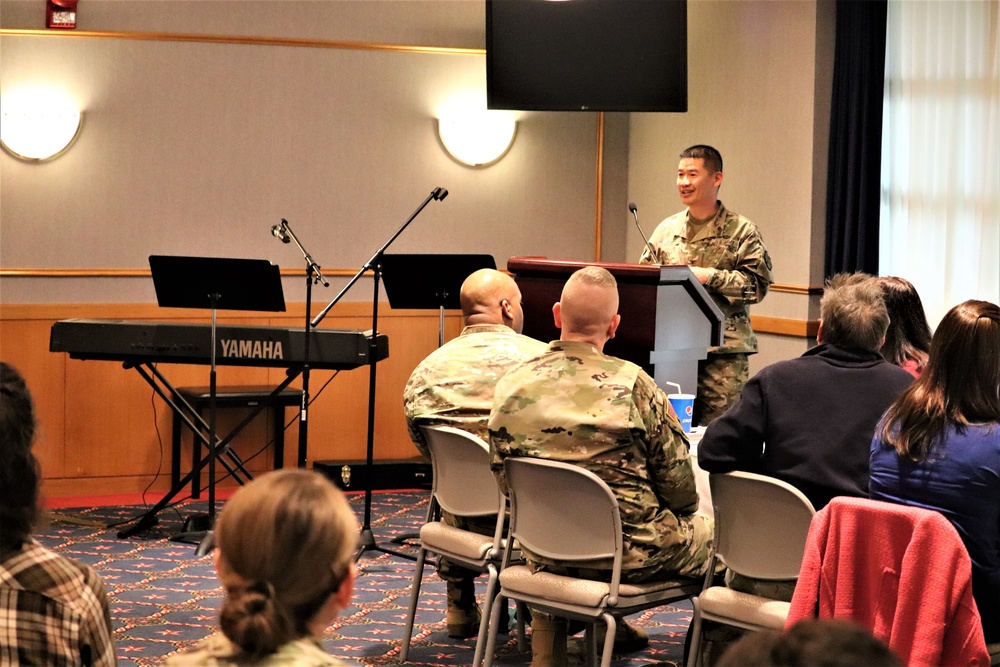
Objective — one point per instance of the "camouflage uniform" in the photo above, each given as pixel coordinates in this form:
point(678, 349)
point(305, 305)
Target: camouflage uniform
point(217, 651)
point(575, 404)
point(732, 246)
point(453, 386)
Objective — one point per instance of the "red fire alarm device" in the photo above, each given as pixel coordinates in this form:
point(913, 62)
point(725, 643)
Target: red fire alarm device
point(60, 14)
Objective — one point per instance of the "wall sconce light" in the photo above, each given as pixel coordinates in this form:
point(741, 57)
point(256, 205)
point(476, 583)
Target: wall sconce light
point(38, 126)
point(477, 138)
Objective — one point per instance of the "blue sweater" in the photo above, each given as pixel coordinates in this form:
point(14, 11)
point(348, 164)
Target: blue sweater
point(960, 478)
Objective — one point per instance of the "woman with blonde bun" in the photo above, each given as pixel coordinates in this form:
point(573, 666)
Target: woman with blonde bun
point(285, 556)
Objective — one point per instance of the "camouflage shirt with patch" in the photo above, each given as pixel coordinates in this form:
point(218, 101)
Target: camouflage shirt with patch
point(732, 246)
point(576, 404)
point(454, 385)
point(218, 651)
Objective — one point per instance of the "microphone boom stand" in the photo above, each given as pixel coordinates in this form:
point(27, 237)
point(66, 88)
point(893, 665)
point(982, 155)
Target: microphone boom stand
point(374, 264)
point(313, 275)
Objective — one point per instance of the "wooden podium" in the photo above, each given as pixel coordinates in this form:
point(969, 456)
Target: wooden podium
point(668, 318)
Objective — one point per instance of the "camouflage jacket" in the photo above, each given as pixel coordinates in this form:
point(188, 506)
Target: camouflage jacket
point(575, 404)
point(734, 248)
point(454, 385)
point(217, 650)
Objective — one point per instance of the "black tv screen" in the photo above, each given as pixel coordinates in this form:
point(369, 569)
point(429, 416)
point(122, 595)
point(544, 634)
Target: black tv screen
point(586, 55)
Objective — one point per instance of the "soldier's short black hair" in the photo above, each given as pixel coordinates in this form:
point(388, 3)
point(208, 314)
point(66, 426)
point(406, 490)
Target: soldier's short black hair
point(712, 157)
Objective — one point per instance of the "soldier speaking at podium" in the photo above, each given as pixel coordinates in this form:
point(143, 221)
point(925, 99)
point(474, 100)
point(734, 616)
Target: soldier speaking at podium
point(726, 254)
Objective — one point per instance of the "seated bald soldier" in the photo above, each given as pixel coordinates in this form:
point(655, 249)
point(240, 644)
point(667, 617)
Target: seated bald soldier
point(453, 386)
point(574, 403)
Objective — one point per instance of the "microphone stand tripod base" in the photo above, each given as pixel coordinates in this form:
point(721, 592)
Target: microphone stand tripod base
point(368, 543)
point(197, 530)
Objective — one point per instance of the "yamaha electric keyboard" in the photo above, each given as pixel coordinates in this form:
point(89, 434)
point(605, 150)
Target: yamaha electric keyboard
point(143, 345)
point(135, 342)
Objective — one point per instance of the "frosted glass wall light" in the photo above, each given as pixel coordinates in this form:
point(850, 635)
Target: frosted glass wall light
point(38, 125)
point(477, 138)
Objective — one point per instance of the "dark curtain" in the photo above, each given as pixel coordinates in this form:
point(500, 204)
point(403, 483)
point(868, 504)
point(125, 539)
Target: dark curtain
point(852, 198)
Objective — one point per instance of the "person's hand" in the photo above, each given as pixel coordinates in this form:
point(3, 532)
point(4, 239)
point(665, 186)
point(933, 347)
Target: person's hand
point(701, 273)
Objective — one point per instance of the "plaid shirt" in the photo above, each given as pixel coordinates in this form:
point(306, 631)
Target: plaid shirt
point(53, 611)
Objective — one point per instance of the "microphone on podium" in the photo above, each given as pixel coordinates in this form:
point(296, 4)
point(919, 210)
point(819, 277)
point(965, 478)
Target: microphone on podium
point(635, 215)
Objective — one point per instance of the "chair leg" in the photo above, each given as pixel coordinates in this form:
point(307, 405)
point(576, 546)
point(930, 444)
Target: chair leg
point(418, 574)
point(609, 640)
point(522, 613)
point(590, 644)
point(694, 645)
point(487, 616)
point(491, 635)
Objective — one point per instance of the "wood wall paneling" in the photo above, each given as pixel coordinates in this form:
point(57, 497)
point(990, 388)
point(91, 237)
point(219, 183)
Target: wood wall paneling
point(24, 344)
point(104, 431)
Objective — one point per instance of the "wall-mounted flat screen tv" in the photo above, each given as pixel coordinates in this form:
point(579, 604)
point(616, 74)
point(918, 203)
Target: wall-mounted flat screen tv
point(586, 55)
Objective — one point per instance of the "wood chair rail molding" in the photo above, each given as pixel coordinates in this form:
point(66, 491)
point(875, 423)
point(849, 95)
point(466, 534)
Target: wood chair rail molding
point(247, 39)
point(289, 273)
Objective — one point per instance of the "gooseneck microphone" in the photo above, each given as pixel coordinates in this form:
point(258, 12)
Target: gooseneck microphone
point(635, 215)
point(439, 193)
point(278, 231)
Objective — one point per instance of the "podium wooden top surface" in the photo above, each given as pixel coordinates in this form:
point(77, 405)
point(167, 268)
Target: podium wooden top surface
point(633, 273)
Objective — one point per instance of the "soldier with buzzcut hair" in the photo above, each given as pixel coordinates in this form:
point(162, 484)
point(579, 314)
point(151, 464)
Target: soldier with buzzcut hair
point(453, 386)
point(726, 253)
point(574, 403)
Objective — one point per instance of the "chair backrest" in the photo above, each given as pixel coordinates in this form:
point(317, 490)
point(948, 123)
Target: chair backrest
point(761, 524)
point(463, 483)
point(562, 511)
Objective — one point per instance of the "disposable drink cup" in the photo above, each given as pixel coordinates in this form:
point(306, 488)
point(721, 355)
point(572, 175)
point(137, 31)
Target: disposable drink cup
point(683, 405)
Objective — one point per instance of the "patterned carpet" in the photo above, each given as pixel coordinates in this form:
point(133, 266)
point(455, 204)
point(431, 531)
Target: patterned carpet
point(164, 598)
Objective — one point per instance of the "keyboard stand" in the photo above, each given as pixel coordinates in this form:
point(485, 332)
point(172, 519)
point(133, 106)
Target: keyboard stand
point(200, 428)
point(238, 396)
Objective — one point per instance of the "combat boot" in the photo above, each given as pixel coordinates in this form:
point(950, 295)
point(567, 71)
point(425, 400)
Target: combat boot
point(463, 615)
point(548, 641)
point(628, 638)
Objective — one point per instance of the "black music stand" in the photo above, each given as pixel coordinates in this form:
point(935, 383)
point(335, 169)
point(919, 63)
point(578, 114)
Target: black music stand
point(214, 283)
point(430, 282)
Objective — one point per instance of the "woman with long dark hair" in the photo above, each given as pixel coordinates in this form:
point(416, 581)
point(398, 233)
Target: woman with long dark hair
point(908, 339)
point(938, 446)
point(53, 609)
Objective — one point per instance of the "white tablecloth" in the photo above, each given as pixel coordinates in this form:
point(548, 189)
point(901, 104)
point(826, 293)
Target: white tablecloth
point(700, 476)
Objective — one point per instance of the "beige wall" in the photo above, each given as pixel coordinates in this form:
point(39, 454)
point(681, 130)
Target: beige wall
point(198, 148)
point(195, 147)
